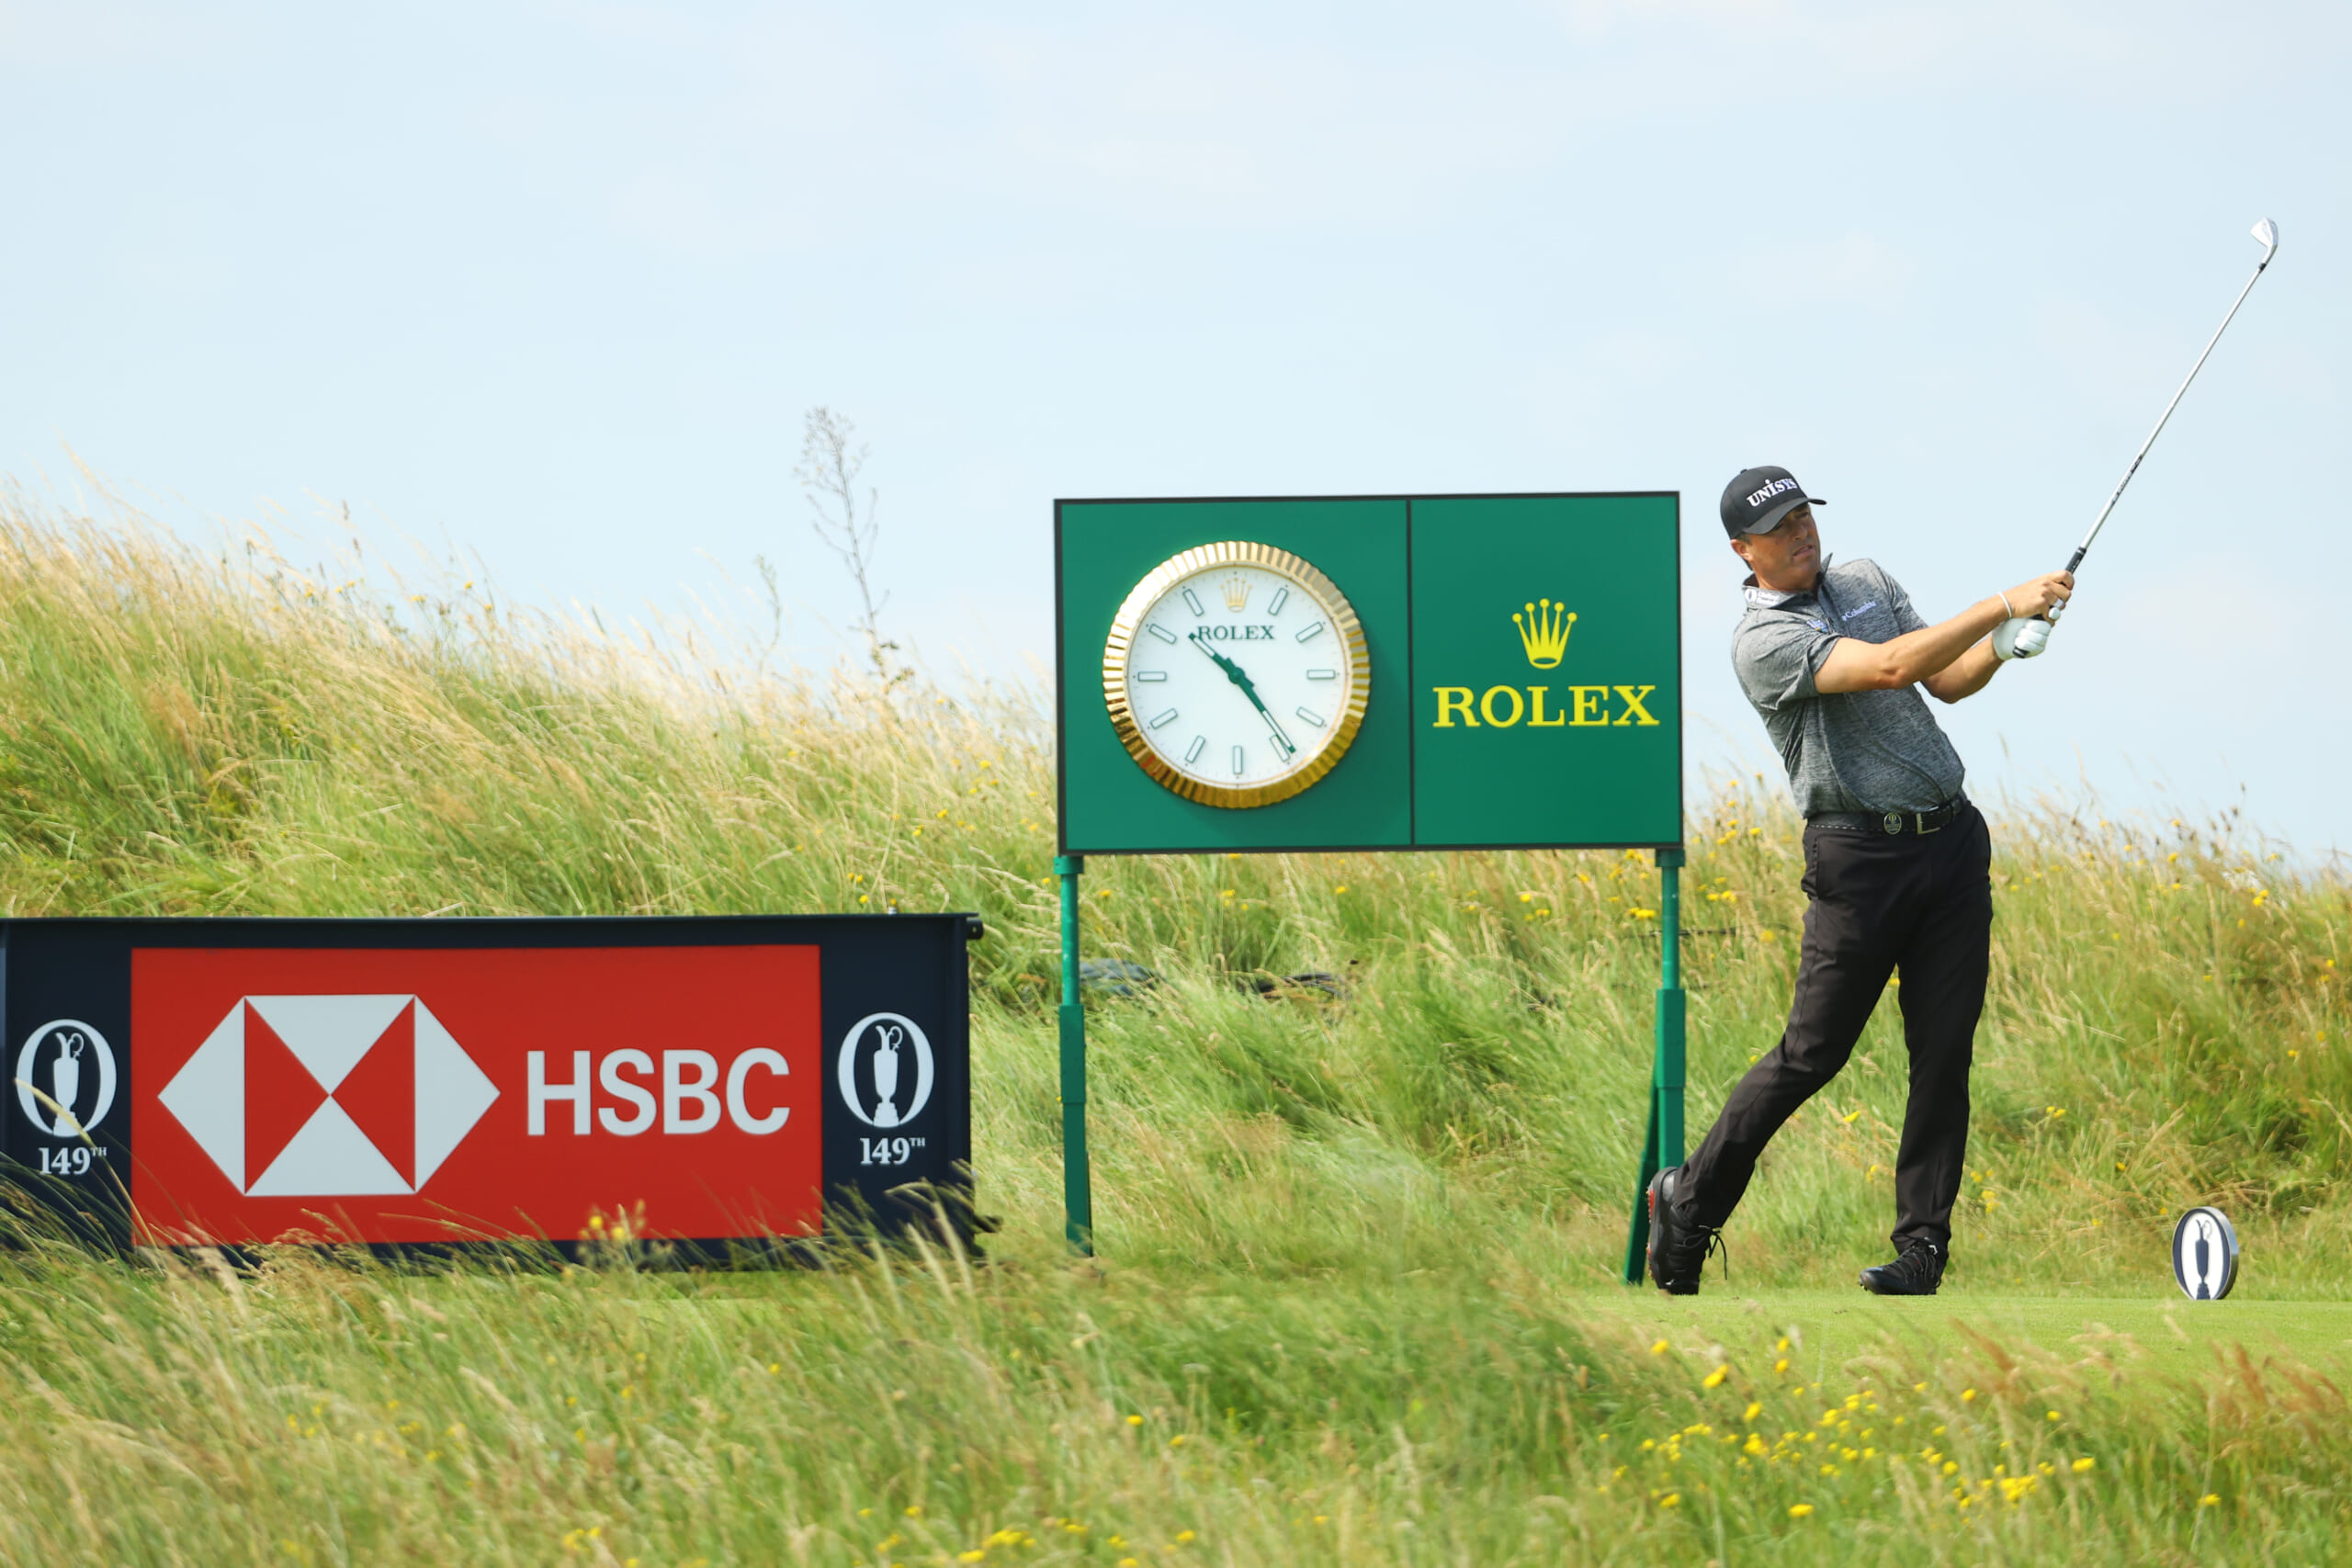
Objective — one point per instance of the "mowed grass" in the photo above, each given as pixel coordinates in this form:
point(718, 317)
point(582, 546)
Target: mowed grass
point(1356, 1297)
point(2158, 1332)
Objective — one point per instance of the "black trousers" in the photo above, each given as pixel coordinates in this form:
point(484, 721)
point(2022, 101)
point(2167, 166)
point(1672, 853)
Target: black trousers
point(1921, 904)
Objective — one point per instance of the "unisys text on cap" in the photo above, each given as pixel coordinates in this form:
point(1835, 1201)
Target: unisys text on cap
point(1757, 499)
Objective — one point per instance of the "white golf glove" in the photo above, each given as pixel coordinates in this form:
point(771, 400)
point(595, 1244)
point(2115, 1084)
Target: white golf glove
point(2021, 638)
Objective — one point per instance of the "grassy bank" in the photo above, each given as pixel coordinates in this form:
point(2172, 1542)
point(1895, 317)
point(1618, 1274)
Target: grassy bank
point(1358, 1245)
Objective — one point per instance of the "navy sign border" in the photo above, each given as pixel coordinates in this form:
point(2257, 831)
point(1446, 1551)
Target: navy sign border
point(80, 969)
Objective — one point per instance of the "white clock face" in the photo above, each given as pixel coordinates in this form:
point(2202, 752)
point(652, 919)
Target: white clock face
point(1239, 676)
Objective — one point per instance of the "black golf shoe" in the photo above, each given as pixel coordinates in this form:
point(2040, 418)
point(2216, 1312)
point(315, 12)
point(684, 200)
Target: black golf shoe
point(1678, 1248)
point(1917, 1273)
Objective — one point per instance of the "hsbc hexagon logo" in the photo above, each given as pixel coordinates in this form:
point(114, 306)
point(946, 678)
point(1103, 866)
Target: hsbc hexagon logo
point(329, 1096)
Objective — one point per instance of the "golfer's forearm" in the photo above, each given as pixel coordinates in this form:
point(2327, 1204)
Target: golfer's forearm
point(1857, 666)
point(1967, 675)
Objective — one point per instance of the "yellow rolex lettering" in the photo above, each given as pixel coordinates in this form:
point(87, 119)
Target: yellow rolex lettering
point(1487, 705)
point(1592, 710)
point(1634, 695)
point(1535, 719)
point(1450, 698)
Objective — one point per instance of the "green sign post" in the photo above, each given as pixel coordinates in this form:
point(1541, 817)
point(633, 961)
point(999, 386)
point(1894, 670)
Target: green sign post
point(1369, 673)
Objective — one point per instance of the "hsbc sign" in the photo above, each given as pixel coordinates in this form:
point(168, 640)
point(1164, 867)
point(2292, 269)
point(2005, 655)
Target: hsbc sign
point(407, 1082)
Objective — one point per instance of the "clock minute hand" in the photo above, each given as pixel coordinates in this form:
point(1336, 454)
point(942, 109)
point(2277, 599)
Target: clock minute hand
point(1234, 674)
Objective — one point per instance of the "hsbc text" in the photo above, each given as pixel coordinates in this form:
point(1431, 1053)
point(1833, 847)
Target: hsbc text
point(690, 1092)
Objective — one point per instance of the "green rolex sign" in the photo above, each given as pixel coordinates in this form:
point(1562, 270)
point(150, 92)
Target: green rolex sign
point(1369, 673)
point(1385, 672)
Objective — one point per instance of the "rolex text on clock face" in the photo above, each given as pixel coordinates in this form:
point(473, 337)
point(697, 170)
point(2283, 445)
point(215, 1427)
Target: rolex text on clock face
point(1237, 675)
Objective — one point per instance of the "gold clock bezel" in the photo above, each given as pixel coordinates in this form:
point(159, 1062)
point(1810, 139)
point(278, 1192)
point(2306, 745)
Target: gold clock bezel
point(1128, 623)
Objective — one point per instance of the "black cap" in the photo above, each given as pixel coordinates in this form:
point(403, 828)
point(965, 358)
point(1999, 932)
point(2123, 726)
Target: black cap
point(1756, 501)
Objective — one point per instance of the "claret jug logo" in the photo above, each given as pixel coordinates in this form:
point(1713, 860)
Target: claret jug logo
point(1544, 634)
point(1544, 630)
point(885, 1070)
point(65, 1078)
point(329, 1096)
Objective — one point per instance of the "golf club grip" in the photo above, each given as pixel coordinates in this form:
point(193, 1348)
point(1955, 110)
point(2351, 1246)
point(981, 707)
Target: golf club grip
point(2077, 559)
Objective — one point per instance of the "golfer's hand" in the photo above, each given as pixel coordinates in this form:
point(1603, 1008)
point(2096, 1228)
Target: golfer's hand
point(2021, 638)
point(2042, 595)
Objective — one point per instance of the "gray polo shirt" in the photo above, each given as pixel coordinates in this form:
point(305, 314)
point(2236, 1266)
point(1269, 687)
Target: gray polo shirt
point(1844, 750)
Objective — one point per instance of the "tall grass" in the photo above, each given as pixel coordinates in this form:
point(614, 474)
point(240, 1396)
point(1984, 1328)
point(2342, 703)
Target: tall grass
point(1343, 1223)
point(319, 1410)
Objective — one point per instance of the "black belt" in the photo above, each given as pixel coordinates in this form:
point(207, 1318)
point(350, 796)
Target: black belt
point(1891, 822)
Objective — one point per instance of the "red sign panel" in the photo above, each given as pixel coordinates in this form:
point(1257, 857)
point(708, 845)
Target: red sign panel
point(420, 1095)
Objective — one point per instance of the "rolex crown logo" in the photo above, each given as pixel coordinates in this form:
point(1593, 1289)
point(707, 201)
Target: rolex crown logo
point(1543, 631)
point(1237, 594)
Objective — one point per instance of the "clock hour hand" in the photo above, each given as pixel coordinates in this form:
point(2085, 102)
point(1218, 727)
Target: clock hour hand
point(1234, 674)
point(1233, 671)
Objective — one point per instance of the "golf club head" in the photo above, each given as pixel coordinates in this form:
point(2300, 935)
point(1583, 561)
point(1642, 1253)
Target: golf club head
point(2268, 232)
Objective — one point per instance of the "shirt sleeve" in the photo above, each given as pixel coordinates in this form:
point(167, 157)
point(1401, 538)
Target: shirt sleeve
point(1776, 659)
point(1900, 602)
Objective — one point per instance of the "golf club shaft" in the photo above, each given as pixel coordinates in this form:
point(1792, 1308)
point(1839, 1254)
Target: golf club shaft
point(2084, 548)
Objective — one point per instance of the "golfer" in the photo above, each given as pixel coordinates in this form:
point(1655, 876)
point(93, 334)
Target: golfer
point(1897, 864)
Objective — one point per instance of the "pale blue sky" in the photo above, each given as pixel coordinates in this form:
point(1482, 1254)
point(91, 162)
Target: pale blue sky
point(554, 283)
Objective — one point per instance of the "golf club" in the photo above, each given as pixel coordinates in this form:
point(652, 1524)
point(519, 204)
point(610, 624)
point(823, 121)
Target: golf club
point(2033, 637)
